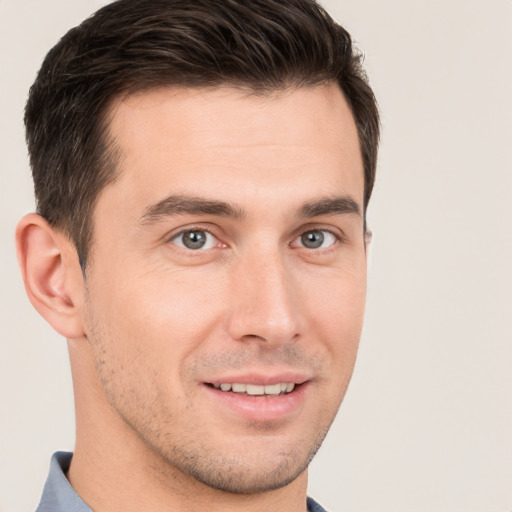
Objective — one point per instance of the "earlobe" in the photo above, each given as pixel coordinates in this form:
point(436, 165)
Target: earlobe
point(51, 274)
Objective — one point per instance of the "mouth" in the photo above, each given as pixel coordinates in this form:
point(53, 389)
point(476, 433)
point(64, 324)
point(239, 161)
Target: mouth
point(277, 389)
point(260, 399)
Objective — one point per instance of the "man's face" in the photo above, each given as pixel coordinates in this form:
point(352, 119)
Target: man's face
point(226, 281)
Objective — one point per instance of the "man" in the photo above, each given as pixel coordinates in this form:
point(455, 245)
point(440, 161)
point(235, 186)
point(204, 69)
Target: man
point(202, 171)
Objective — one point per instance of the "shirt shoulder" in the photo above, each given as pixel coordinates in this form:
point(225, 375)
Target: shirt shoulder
point(313, 506)
point(58, 495)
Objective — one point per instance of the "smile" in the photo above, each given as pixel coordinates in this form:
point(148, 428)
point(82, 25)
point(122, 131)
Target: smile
point(258, 401)
point(280, 388)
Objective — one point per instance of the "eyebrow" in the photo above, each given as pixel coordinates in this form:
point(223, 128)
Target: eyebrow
point(190, 205)
point(329, 206)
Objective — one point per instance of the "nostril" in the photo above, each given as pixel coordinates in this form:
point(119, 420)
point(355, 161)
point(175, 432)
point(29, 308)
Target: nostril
point(256, 337)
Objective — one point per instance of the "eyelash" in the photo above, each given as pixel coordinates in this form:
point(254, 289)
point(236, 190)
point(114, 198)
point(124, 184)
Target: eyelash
point(318, 230)
point(191, 230)
point(337, 237)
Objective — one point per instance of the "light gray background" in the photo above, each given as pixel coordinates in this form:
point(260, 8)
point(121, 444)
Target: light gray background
point(427, 423)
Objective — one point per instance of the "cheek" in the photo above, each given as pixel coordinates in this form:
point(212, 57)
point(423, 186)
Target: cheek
point(158, 318)
point(141, 332)
point(181, 306)
point(337, 304)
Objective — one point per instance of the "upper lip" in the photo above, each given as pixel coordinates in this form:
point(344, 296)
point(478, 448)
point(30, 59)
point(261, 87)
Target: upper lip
point(262, 379)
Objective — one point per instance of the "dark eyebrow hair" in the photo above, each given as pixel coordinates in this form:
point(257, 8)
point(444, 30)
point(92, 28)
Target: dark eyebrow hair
point(190, 205)
point(179, 204)
point(329, 206)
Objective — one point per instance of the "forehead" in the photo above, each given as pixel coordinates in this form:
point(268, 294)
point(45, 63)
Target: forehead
point(231, 142)
point(204, 115)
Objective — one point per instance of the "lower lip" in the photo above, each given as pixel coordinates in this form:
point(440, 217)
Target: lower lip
point(261, 408)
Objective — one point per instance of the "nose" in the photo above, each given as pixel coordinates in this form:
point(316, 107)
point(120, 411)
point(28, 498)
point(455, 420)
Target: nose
point(264, 303)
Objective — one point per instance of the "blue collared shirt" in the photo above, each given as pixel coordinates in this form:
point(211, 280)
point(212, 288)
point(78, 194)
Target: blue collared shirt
point(59, 496)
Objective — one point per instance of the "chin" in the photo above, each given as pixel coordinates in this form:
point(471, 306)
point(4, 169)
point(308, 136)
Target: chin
point(267, 468)
point(243, 477)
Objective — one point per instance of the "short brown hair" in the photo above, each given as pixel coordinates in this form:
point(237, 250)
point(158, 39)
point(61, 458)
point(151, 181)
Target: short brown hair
point(133, 45)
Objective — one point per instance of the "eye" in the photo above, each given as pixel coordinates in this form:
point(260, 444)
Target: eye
point(316, 239)
point(195, 239)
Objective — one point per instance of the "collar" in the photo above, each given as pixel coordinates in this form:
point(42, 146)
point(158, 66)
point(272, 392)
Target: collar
point(59, 496)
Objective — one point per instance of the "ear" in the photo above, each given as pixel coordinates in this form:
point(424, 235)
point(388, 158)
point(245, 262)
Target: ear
point(52, 275)
point(368, 238)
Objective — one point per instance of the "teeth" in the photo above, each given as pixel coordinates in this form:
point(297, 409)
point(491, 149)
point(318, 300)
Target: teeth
point(273, 389)
point(252, 389)
point(255, 390)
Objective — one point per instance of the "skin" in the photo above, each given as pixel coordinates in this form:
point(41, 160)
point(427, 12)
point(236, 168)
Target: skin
point(154, 322)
